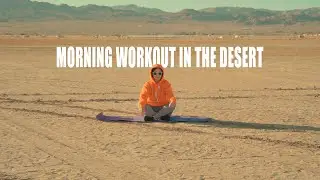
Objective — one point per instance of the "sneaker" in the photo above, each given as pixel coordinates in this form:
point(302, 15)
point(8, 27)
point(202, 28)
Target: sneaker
point(148, 118)
point(165, 118)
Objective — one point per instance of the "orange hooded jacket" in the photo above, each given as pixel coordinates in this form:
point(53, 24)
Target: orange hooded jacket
point(156, 94)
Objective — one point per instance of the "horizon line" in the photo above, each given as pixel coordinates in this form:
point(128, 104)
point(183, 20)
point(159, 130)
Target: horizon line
point(77, 6)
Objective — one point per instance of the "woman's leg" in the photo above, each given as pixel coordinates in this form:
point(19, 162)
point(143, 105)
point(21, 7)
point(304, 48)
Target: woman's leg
point(165, 111)
point(149, 111)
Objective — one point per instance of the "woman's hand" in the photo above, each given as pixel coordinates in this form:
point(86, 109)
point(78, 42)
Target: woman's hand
point(172, 105)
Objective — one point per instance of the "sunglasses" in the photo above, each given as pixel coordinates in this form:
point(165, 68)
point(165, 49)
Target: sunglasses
point(160, 73)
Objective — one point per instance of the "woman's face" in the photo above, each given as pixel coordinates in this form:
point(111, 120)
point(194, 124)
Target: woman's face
point(157, 74)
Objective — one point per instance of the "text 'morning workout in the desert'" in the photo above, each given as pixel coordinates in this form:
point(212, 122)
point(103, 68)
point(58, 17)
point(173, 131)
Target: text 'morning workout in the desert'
point(140, 57)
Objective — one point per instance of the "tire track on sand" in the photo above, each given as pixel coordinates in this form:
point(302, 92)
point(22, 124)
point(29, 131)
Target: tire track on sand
point(16, 131)
point(38, 102)
point(97, 164)
point(298, 144)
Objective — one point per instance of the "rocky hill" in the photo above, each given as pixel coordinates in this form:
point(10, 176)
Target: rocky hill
point(26, 10)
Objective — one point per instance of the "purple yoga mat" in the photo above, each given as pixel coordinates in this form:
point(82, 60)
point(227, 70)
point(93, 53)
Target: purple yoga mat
point(103, 117)
point(119, 118)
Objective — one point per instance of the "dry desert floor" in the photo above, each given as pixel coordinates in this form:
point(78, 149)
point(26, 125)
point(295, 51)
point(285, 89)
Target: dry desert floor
point(266, 122)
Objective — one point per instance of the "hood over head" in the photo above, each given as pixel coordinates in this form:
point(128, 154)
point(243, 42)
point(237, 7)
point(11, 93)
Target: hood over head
point(156, 66)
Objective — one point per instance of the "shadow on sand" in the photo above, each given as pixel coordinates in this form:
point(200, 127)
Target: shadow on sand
point(250, 125)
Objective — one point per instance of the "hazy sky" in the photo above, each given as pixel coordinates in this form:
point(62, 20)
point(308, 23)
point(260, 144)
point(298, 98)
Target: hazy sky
point(177, 5)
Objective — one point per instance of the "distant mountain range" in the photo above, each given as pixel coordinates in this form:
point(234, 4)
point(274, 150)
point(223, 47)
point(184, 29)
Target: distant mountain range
point(26, 10)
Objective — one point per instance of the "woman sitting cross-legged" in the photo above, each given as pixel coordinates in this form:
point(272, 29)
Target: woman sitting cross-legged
point(157, 101)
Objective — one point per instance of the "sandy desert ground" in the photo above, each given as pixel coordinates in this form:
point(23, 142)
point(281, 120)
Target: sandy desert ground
point(266, 121)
